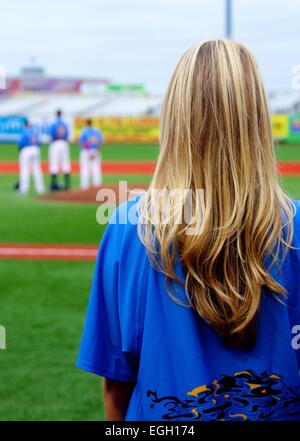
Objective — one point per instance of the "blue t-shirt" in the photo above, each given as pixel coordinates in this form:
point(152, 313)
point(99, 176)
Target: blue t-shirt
point(29, 137)
point(135, 332)
point(90, 138)
point(59, 130)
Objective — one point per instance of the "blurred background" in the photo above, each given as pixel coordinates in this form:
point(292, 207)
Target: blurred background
point(111, 62)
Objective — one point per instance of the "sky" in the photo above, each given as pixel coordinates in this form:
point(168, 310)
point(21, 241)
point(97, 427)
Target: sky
point(141, 41)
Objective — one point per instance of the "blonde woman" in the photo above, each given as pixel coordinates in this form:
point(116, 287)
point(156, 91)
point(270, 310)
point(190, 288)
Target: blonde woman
point(194, 312)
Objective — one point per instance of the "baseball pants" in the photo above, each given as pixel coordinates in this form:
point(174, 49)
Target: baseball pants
point(90, 168)
point(59, 157)
point(30, 164)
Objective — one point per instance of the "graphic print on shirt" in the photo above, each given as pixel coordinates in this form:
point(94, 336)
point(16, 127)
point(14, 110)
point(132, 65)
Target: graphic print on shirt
point(242, 396)
point(60, 131)
point(93, 140)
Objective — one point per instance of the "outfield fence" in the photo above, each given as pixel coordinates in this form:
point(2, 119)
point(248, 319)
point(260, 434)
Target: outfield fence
point(133, 130)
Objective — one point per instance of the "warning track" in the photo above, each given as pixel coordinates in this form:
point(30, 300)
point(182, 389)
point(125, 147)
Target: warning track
point(132, 168)
point(47, 252)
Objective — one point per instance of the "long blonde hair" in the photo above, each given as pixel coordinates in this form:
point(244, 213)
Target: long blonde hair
point(215, 135)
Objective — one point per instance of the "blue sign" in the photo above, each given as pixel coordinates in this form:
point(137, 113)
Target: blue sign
point(11, 128)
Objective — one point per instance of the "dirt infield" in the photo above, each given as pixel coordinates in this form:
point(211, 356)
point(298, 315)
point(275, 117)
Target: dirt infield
point(110, 193)
point(288, 168)
point(47, 252)
point(134, 167)
point(108, 167)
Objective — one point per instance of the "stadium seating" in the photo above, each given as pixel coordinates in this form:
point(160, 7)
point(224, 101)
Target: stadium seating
point(44, 105)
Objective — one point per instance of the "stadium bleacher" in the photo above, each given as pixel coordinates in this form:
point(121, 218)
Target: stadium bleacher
point(44, 105)
point(285, 102)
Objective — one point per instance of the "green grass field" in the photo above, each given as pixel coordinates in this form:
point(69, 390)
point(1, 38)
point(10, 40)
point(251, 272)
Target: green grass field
point(110, 152)
point(42, 304)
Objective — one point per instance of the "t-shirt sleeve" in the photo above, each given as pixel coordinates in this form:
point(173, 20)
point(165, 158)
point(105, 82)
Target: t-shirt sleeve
point(52, 131)
point(67, 132)
point(21, 141)
point(82, 138)
point(110, 334)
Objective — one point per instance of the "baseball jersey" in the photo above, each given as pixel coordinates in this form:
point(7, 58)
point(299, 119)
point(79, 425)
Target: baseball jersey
point(90, 138)
point(135, 332)
point(59, 130)
point(28, 138)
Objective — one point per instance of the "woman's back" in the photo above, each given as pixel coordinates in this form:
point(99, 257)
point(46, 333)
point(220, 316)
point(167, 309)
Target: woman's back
point(196, 302)
point(135, 332)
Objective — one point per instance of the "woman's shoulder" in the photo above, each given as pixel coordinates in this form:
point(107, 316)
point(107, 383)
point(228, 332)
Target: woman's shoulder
point(296, 204)
point(126, 213)
point(122, 229)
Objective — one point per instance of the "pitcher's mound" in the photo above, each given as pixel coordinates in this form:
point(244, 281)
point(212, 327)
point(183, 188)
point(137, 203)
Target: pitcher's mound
point(92, 195)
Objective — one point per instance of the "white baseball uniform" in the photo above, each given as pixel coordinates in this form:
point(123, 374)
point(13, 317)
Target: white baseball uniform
point(30, 161)
point(59, 151)
point(30, 164)
point(59, 157)
point(90, 158)
point(90, 168)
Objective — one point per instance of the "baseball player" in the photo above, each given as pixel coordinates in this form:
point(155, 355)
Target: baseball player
point(30, 160)
point(59, 152)
point(90, 158)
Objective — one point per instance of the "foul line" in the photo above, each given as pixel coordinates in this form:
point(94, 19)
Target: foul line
point(47, 252)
